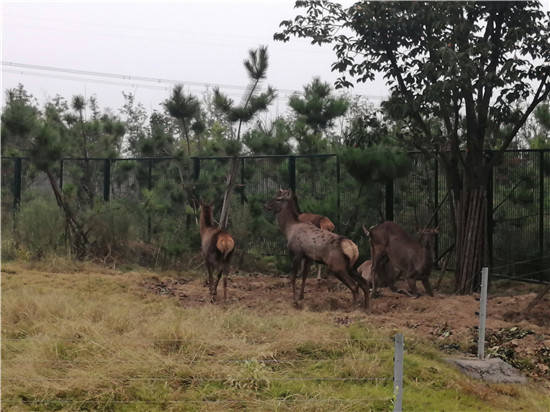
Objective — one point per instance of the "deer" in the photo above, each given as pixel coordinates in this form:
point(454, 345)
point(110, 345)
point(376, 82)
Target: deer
point(307, 243)
point(410, 257)
point(322, 222)
point(217, 247)
point(385, 278)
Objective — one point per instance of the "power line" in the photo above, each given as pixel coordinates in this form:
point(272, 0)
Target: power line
point(135, 78)
point(128, 77)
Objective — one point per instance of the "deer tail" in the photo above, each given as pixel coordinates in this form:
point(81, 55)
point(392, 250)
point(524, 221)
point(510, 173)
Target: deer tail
point(225, 244)
point(351, 251)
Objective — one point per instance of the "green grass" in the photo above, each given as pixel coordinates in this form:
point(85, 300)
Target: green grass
point(86, 338)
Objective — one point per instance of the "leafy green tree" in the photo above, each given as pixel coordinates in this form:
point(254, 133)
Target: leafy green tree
point(540, 128)
point(19, 118)
point(186, 110)
point(45, 149)
point(464, 63)
point(254, 102)
point(315, 114)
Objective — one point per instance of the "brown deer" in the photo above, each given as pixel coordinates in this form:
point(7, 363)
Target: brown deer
point(308, 243)
point(217, 247)
point(386, 277)
point(412, 258)
point(322, 222)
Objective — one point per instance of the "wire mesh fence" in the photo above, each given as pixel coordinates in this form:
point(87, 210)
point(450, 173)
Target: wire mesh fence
point(258, 374)
point(154, 197)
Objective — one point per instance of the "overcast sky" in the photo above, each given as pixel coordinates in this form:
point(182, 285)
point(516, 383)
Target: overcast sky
point(191, 41)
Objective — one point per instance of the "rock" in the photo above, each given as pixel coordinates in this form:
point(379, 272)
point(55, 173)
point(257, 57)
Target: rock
point(490, 370)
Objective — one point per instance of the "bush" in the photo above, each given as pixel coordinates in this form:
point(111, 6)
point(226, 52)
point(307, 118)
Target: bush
point(40, 227)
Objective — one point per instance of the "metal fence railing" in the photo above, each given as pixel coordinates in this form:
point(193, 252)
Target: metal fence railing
point(153, 194)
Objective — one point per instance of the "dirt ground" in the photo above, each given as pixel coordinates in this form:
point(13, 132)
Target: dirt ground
point(449, 321)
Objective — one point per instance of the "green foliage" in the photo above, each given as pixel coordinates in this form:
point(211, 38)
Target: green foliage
point(47, 147)
point(254, 102)
point(269, 140)
point(19, 120)
point(40, 227)
point(378, 163)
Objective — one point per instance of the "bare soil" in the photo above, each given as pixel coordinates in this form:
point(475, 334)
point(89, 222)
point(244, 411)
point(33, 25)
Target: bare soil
point(448, 321)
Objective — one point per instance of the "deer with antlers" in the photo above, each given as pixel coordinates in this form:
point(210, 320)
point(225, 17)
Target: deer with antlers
point(308, 243)
point(392, 246)
point(217, 247)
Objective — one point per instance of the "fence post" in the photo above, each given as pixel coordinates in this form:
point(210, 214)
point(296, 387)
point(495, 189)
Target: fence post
point(17, 184)
point(489, 218)
point(242, 180)
point(398, 373)
point(196, 168)
point(338, 193)
point(389, 200)
point(292, 173)
point(482, 313)
point(436, 203)
point(107, 180)
point(149, 187)
point(541, 202)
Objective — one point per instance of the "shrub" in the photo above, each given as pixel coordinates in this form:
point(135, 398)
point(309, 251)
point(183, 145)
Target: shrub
point(40, 227)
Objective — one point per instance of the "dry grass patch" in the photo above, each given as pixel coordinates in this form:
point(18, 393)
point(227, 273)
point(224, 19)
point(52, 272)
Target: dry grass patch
point(97, 340)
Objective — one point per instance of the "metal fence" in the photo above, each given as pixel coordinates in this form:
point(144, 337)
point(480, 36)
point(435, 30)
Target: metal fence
point(152, 192)
point(275, 372)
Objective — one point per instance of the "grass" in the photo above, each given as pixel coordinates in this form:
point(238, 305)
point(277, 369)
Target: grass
point(80, 337)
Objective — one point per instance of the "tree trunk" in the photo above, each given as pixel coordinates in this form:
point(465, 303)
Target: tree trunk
point(230, 184)
point(470, 216)
point(79, 241)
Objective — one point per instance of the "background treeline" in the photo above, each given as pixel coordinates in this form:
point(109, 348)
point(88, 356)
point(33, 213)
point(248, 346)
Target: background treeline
point(151, 213)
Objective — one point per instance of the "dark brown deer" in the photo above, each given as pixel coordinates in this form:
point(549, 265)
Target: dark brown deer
point(308, 243)
point(217, 247)
point(412, 258)
point(322, 222)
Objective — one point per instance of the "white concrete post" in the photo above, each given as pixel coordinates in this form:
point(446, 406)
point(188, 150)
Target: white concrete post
point(398, 373)
point(482, 313)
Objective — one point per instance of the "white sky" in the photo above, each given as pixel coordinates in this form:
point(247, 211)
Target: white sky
point(191, 41)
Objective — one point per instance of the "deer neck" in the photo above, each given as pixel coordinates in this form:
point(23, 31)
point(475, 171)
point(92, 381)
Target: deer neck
point(205, 222)
point(287, 218)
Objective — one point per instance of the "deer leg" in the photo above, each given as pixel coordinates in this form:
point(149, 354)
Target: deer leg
point(348, 281)
point(296, 266)
point(362, 283)
point(427, 286)
point(214, 291)
point(318, 272)
point(305, 269)
point(411, 282)
point(208, 281)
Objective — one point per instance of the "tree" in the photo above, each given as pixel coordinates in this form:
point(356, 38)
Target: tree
point(455, 71)
point(315, 114)
point(253, 103)
point(186, 109)
point(23, 120)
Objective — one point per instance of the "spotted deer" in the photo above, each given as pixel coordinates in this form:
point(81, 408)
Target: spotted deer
point(322, 222)
point(308, 243)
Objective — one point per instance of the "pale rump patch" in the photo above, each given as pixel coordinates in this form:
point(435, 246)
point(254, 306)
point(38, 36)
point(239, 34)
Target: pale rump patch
point(225, 244)
point(365, 270)
point(351, 250)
